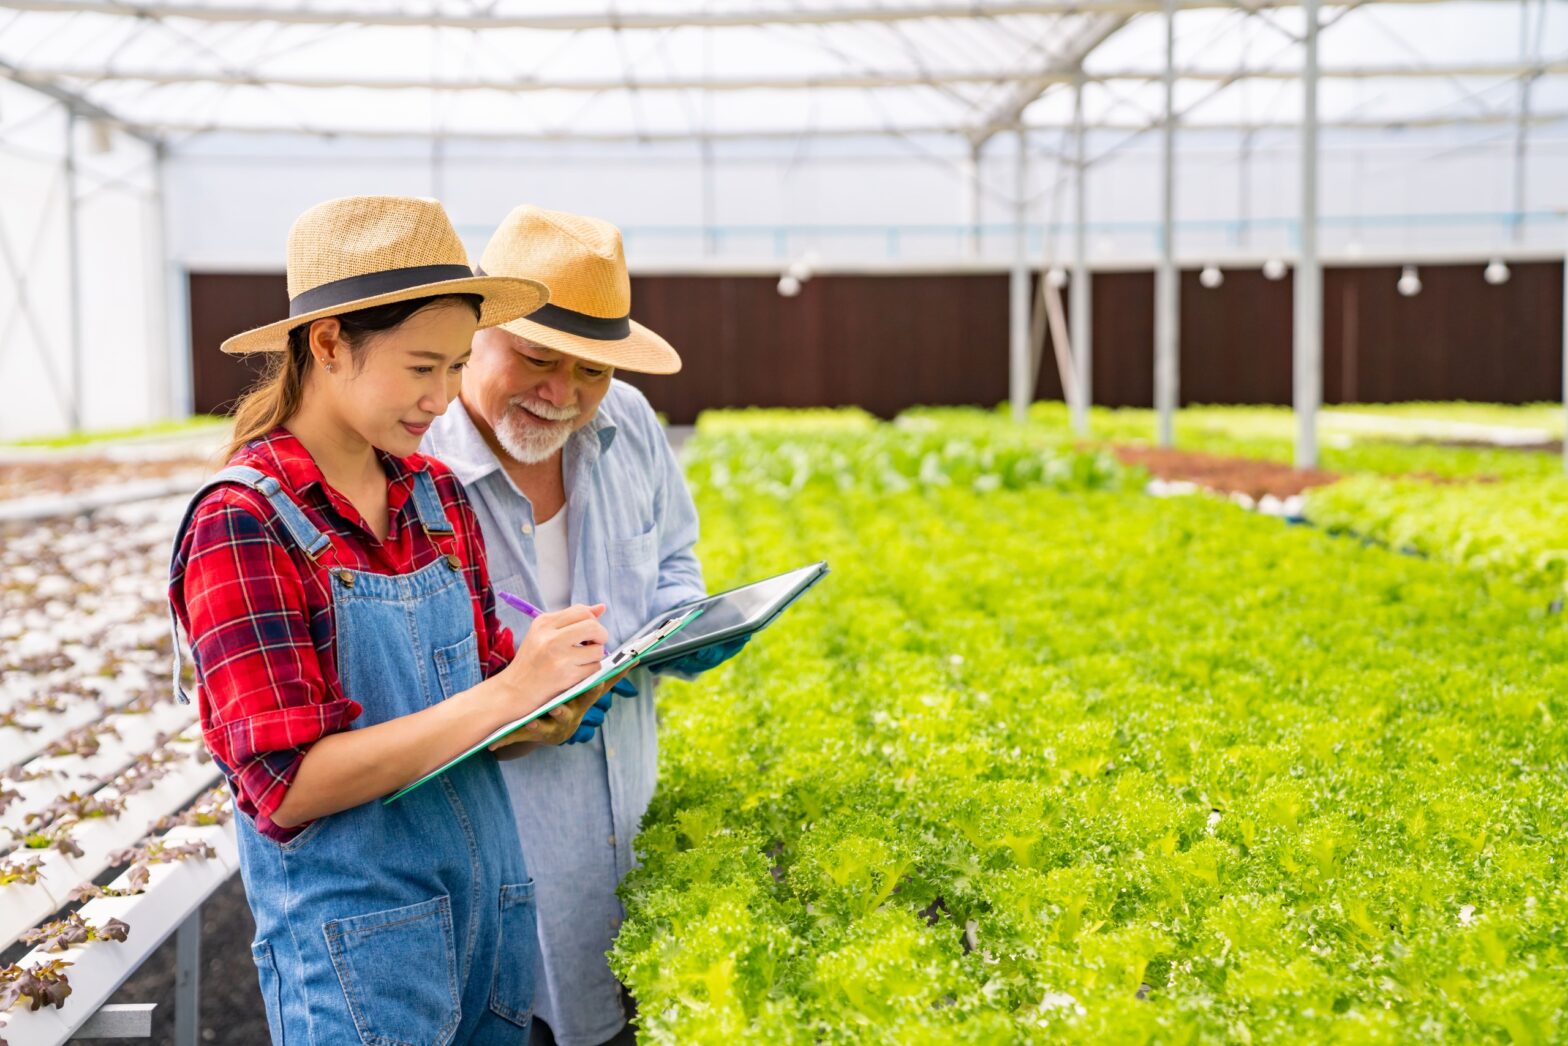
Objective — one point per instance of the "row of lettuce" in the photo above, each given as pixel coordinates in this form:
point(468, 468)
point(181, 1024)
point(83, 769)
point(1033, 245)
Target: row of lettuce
point(1044, 758)
point(1500, 511)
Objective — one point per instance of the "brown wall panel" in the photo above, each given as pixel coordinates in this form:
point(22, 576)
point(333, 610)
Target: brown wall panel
point(890, 342)
point(1235, 339)
point(1123, 338)
point(224, 304)
point(880, 342)
point(1460, 338)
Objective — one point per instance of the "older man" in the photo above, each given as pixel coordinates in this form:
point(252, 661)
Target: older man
point(580, 499)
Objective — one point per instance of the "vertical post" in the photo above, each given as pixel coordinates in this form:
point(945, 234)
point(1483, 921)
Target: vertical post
point(1166, 288)
point(1565, 359)
point(161, 329)
point(187, 981)
point(970, 201)
point(74, 254)
point(710, 239)
point(182, 392)
point(438, 166)
point(1020, 375)
point(1522, 131)
point(1080, 300)
point(1307, 392)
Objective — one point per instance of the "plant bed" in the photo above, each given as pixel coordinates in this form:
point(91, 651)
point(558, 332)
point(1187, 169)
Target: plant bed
point(1227, 475)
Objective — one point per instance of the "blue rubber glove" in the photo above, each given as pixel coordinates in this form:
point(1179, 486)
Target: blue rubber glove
point(700, 661)
point(625, 688)
point(592, 720)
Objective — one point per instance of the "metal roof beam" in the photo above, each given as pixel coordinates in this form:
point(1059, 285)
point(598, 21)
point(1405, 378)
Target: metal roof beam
point(48, 78)
point(569, 21)
point(1061, 70)
point(74, 102)
point(794, 134)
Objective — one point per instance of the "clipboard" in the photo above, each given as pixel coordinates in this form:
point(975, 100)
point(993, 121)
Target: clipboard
point(628, 655)
point(741, 611)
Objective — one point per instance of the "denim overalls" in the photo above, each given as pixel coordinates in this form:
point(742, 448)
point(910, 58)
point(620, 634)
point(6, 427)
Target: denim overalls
point(409, 924)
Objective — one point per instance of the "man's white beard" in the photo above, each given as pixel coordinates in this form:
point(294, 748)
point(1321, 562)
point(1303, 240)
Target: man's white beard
point(530, 442)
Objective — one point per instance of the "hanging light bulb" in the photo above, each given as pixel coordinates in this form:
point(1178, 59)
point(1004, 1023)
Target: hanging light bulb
point(1211, 276)
point(1274, 269)
point(1409, 281)
point(1058, 277)
point(789, 286)
point(1496, 272)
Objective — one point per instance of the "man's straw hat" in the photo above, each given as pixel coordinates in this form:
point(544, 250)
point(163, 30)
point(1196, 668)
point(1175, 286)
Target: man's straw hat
point(589, 314)
point(362, 251)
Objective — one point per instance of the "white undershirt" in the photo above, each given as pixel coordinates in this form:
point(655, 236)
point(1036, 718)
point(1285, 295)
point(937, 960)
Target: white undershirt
point(554, 562)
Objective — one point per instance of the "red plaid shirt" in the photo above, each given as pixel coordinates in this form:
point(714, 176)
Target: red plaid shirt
point(259, 615)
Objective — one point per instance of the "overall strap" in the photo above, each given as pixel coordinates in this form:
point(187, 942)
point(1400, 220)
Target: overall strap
point(304, 533)
point(427, 502)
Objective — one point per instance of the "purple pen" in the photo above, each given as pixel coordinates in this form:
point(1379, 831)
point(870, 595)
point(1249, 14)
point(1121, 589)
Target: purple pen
point(518, 603)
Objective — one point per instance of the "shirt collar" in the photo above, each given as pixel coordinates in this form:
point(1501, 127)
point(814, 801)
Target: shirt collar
point(470, 458)
point(280, 453)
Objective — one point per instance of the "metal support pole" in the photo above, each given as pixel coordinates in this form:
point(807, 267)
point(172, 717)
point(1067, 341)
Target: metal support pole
point(160, 332)
point(438, 167)
point(1527, 53)
point(187, 981)
point(970, 201)
point(74, 254)
point(1019, 372)
point(182, 392)
point(1166, 288)
point(710, 240)
point(1308, 348)
point(1080, 300)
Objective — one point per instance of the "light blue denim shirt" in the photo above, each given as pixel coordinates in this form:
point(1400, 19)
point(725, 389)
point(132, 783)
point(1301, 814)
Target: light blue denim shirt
point(631, 526)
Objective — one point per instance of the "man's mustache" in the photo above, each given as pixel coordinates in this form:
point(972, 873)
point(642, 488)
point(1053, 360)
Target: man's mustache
point(545, 410)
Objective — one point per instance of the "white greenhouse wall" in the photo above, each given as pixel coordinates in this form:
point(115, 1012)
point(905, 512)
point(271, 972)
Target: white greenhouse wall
point(122, 376)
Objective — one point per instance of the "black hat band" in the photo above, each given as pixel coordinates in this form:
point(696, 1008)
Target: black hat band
point(373, 285)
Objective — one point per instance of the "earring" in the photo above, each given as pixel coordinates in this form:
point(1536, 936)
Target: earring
point(330, 366)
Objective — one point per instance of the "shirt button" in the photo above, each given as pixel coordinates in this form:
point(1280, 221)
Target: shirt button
point(610, 752)
point(527, 529)
point(612, 840)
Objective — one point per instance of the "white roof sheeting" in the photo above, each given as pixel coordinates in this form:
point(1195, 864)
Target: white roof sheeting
point(722, 70)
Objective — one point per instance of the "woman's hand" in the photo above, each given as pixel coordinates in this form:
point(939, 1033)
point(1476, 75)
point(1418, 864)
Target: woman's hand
point(351, 767)
point(554, 728)
point(559, 650)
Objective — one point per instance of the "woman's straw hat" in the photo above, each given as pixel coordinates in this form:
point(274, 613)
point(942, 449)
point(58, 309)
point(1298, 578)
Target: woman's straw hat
point(362, 251)
point(589, 314)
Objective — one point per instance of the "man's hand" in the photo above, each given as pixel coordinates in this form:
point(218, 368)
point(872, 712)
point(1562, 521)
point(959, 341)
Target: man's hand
point(561, 724)
point(700, 661)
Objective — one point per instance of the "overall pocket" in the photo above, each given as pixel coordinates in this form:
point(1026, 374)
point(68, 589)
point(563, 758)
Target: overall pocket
point(271, 989)
point(457, 665)
point(512, 995)
point(398, 971)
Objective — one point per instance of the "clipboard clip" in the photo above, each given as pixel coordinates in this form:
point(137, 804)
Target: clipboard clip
point(667, 626)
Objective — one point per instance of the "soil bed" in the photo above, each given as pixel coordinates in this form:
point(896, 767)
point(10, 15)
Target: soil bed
point(1248, 476)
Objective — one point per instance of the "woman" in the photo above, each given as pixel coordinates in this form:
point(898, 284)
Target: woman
point(343, 628)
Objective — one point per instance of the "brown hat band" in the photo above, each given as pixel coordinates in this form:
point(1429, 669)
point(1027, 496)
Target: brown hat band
point(372, 284)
